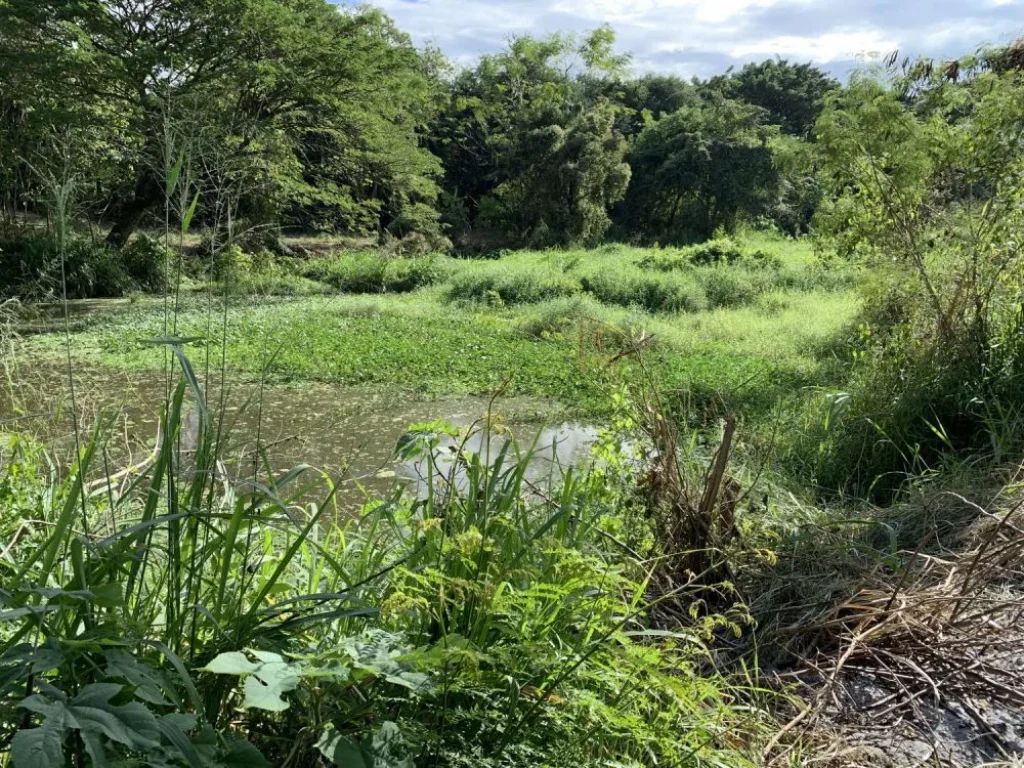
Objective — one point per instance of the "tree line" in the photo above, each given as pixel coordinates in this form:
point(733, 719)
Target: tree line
point(302, 115)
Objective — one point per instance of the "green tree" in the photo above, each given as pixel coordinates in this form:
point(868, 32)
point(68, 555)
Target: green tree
point(267, 77)
point(698, 170)
point(516, 114)
point(931, 193)
point(793, 94)
point(800, 187)
point(646, 97)
point(562, 181)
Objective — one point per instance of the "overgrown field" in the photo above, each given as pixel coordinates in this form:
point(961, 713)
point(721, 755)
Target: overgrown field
point(734, 325)
point(799, 522)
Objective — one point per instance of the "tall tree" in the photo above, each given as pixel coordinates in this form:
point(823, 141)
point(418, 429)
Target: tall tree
point(269, 74)
point(563, 181)
point(522, 112)
point(792, 94)
point(651, 96)
point(699, 169)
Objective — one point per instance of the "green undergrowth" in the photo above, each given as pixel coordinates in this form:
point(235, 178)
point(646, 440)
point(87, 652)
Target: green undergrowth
point(540, 334)
point(185, 617)
point(561, 349)
point(672, 280)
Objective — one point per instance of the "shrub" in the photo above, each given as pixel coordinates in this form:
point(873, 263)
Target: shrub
point(374, 272)
point(938, 370)
point(730, 286)
point(30, 266)
point(513, 284)
point(713, 252)
point(145, 260)
point(404, 275)
point(717, 251)
point(504, 614)
point(557, 317)
point(276, 282)
point(655, 292)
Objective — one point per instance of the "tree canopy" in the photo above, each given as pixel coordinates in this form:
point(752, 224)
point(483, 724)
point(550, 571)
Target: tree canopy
point(792, 94)
point(698, 168)
point(310, 105)
point(311, 116)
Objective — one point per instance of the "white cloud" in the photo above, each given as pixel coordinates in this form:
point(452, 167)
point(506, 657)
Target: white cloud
point(628, 11)
point(704, 37)
point(832, 46)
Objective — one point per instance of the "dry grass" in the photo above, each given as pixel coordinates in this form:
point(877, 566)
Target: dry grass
point(941, 633)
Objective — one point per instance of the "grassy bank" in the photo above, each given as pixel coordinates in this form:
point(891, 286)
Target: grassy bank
point(617, 616)
point(549, 322)
point(222, 622)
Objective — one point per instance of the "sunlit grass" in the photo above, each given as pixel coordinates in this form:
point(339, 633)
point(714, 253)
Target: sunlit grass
point(480, 325)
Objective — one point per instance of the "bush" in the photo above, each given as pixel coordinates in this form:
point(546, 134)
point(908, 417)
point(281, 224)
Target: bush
point(717, 251)
point(655, 292)
point(501, 282)
point(730, 287)
point(145, 260)
point(236, 260)
point(30, 267)
point(557, 317)
point(487, 606)
point(713, 252)
point(374, 272)
point(938, 363)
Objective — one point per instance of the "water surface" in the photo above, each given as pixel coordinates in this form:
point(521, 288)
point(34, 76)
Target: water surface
point(348, 432)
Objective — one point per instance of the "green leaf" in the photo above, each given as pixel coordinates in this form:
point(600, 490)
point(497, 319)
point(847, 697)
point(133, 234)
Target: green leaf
point(173, 727)
point(266, 679)
point(376, 751)
point(149, 683)
point(108, 595)
point(230, 663)
point(174, 173)
point(130, 724)
point(94, 746)
point(242, 754)
point(41, 747)
point(387, 742)
point(20, 613)
point(187, 219)
point(264, 689)
point(342, 751)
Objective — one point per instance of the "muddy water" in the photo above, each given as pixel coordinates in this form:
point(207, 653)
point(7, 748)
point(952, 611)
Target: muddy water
point(351, 433)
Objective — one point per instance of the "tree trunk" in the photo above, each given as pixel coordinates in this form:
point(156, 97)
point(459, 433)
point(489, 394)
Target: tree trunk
point(130, 216)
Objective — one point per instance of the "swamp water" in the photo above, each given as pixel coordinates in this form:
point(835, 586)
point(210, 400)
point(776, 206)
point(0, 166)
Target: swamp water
point(347, 432)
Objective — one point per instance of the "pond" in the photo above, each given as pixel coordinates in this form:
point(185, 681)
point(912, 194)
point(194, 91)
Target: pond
point(349, 432)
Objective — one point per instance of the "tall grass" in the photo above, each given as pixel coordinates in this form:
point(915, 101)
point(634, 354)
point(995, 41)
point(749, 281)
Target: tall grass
point(687, 280)
point(209, 610)
point(373, 272)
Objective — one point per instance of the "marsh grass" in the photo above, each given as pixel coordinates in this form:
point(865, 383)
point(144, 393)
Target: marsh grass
point(508, 627)
point(762, 339)
point(375, 272)
point(656, 280)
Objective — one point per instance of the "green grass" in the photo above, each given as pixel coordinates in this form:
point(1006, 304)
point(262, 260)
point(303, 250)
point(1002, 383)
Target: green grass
point(547, 322)
point(374, 273)
point(480, 621)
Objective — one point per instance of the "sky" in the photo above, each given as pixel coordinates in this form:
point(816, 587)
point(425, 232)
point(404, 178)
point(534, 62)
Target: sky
point(705, 37)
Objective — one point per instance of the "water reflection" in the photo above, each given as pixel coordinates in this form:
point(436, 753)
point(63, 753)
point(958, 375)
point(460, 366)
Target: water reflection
point(553, 450)
point(348, 432)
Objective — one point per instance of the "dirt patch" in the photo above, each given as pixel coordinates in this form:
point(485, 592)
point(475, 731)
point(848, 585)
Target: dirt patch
point(923, 665)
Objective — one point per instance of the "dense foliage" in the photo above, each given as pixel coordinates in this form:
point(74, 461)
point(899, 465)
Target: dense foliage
point(793, 95)
point(300, 115)
point(926, 184)
point(230, 624)
point(698, 169)
point(289, 104)
point(198, 606)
